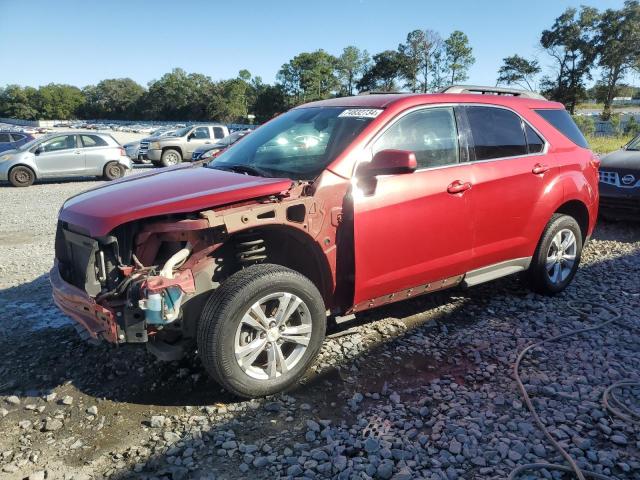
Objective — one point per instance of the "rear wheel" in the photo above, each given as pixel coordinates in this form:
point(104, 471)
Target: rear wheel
point(557, 256)
point(21, 176)
point(261, 329)
point(113, 171)
point(170, 157)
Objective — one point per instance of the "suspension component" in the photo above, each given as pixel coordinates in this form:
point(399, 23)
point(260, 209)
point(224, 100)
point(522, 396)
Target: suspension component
point(250, 248)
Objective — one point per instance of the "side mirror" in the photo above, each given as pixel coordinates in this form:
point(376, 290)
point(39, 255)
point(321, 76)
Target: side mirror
point(191, 135)
point(38, 151)
point(389, 162)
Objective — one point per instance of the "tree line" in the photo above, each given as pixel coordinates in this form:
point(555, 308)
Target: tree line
point(579, 43)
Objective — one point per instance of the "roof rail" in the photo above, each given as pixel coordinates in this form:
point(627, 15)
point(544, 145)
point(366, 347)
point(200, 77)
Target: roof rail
point(477, 89)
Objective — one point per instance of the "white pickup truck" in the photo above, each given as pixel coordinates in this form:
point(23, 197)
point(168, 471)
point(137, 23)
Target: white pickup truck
point(173, 149)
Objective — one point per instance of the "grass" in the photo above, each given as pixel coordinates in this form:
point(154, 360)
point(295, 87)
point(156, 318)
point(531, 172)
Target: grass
point(603, 145)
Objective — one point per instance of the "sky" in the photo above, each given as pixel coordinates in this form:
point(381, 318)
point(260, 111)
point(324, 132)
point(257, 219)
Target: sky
point(83, 42)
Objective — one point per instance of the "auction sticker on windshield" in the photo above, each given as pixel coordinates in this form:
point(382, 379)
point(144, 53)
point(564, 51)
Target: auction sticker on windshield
point(361, 112)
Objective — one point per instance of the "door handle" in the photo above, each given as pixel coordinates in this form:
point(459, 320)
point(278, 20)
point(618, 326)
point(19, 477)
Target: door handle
point(458, 186)
point(77, 152)
point(539, 168)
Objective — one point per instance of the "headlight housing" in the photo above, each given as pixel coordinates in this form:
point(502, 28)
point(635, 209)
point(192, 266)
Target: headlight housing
point(154, 145)
point(210, 153)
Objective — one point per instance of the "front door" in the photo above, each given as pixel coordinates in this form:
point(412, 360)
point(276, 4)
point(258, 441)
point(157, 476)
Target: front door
point(60, 156)
point(198, 137)
point(414, 228)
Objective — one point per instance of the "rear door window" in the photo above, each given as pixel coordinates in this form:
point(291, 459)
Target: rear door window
point(563, 122)
point(431, 134)
point(496, 133)
point(535, 144)
point(218, 132)
point(93, 141)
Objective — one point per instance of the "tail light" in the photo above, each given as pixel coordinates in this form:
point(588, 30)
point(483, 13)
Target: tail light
point(595, 160)
point(122, 152)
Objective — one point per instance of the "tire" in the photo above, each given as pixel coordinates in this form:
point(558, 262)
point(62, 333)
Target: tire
point(552, 268)
point(113, 171)
point(222, 333)
point(21, 176)
point(170, 157)
point(156, 164)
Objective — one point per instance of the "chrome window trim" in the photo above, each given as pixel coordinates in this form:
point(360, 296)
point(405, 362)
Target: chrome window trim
point(368, 148)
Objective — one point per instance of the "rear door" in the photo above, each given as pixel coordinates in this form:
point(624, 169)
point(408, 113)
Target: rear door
point(198, 136)
point(411, 230)
point(510, 173)
point(60, 156)
point(97, 152)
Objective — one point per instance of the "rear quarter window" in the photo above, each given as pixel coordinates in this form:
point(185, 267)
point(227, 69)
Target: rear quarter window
point(563, 122)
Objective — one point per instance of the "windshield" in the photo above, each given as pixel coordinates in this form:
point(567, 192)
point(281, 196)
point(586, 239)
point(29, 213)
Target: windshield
point(298, 144)
point(30, 144)
point(182, 132)
point(634, 144)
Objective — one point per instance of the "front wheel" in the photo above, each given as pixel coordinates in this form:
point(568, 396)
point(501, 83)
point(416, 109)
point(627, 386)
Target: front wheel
point(21, 176)
point(170, 157)
point(261, 329)
point(557, 256)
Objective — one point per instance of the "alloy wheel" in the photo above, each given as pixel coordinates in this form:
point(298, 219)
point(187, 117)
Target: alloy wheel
point(273, 335)
point(561, 256)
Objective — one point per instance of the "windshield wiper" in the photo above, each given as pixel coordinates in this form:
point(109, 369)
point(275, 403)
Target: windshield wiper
point(246, 169)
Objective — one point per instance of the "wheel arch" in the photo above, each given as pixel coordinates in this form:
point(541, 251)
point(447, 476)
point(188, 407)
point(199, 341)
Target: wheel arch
point(30, 167)
point(295, 249)
point(578, 210)
point(173, 147)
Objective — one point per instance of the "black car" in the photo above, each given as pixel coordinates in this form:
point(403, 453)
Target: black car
point(620, 183)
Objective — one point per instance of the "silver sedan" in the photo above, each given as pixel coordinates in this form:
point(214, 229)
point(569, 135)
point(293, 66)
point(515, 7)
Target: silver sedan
point(64, 155)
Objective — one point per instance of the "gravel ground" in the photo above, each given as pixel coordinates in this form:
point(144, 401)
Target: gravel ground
point(420, 389)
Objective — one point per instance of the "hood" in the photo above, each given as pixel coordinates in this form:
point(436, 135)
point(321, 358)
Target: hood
point(175, 190)
point(627, 159)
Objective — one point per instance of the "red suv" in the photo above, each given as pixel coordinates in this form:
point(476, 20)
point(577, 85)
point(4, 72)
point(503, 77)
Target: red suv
point(332, 208)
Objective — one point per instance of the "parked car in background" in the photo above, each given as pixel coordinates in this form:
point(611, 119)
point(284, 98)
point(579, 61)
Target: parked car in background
point(207, 152)
point(64, 155)
point(620, 183)
point(336, 206)
point(179, 146)
point(133, 148)
point(11, 140)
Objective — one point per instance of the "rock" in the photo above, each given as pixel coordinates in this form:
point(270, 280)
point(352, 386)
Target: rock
point(455, 447)
point(385, 470)
point(619, 439)
point(67, 400)
point(170, 437)
point(313, 426)
point(3, 412)
point(13, 400)
point(157, 421)
point(371, 445)
point(39, 475)
point(50, 397)
point(93, 410)
point(52, 425)
point(261, 462)
point(273, 406)
point(24, 424)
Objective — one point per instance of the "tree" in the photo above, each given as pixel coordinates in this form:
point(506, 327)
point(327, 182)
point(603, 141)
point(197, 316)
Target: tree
point(270, 101)
point(115, 98)
point(632, 127)
point(179, 96)
point(350, 67)
point(58, 101)
point(459, 56)
point(383, 73)
point(570, 42)
point(416, 58)
point(516, 70)
point(618, 46)
point(18, 102)
point(309, 76)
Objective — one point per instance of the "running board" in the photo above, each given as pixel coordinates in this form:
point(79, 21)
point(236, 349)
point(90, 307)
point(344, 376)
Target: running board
point(497, 270)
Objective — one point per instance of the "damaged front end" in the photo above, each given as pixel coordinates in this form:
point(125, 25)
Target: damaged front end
point(148, 280)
